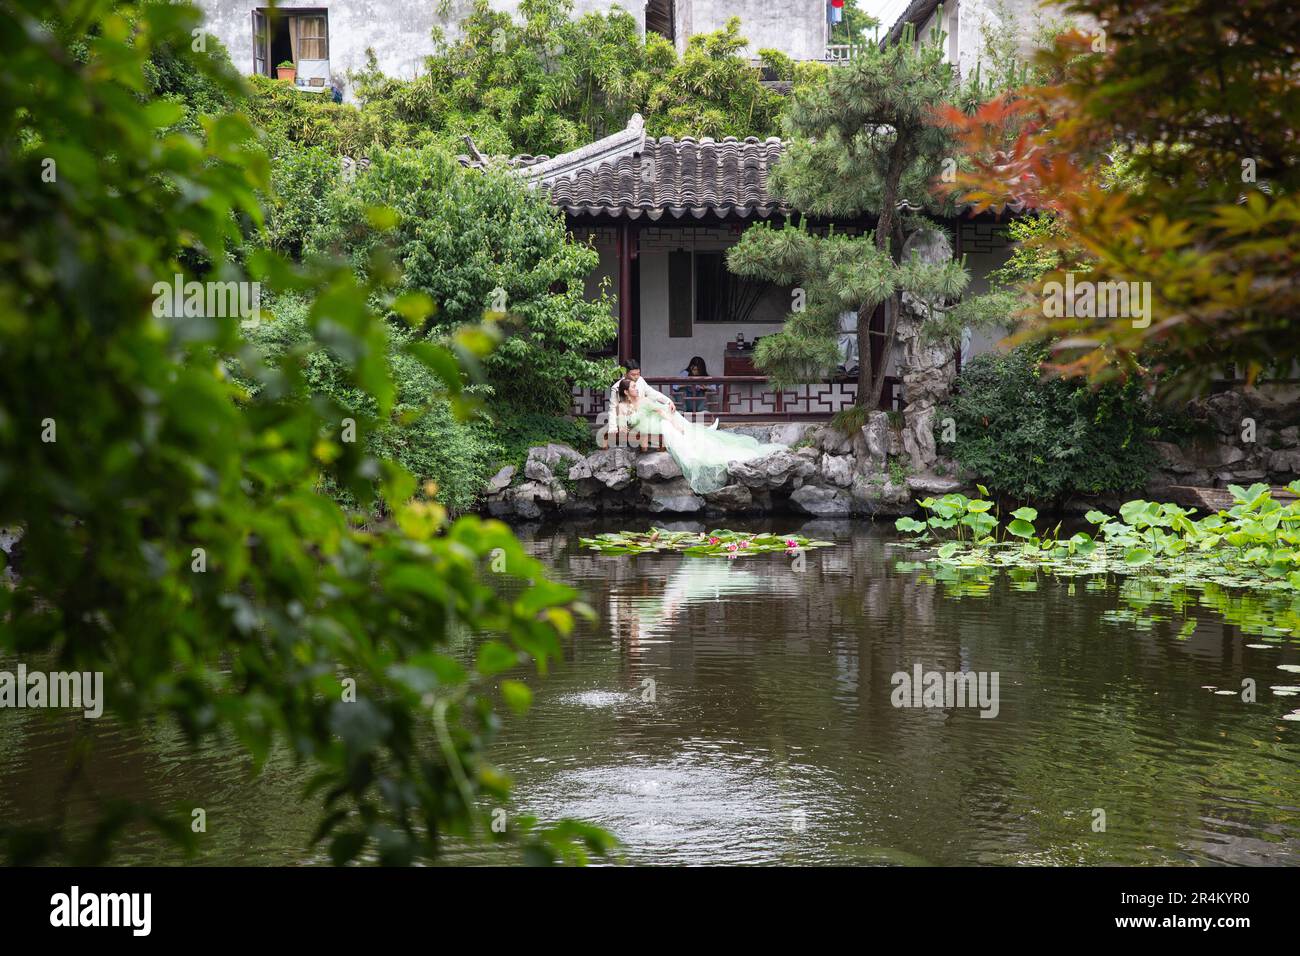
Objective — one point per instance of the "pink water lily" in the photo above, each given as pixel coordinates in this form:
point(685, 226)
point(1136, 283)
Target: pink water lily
point(714, 540)
point(791, 543)
point(732, 546)
point(744, 544)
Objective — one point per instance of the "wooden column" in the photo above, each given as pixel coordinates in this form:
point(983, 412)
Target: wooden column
point(625, 240)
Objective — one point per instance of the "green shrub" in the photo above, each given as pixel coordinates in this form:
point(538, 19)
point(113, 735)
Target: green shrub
point(516, 430)
point(479, 242)
point(421, 432)
point(1039, 438)
point(284, 113)
point(175, 540)
point(302, 178)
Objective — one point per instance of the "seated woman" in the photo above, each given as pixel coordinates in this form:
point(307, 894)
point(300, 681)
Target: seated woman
point(694, 398)
point(702, 453)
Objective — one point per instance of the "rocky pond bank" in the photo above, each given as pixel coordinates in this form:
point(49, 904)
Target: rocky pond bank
point(820, 471)
point(1244, 437)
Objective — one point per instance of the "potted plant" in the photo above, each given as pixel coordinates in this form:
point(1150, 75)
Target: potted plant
point(286, 71)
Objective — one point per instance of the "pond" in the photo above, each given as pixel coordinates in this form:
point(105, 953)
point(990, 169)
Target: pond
point(744, 712)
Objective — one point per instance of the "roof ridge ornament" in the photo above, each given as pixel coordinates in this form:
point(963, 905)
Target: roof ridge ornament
point(629, 141)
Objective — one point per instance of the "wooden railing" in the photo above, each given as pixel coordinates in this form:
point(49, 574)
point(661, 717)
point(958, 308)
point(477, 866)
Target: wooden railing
point(746, 397)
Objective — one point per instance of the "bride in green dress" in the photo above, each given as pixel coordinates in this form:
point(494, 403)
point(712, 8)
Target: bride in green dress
point(702, 453)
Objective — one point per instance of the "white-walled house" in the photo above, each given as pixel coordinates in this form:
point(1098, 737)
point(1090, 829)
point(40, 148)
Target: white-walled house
point(326, 40)
point(661, 213)
point(968, 25)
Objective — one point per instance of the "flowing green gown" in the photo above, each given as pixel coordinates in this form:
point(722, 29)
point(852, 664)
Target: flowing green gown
point(702, 453)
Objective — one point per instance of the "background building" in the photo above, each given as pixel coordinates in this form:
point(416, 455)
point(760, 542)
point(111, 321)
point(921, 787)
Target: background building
point(326, 40)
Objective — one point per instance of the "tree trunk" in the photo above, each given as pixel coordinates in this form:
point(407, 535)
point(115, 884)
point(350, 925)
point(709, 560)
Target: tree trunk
point(870, 384)
point(868, 390)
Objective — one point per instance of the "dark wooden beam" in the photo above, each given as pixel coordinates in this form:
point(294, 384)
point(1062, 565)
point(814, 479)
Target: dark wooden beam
point(626, 236)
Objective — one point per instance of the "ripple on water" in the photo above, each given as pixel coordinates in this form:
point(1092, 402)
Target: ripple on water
point(700, 806)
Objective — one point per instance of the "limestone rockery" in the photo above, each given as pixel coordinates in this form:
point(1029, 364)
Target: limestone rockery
point(820, 471)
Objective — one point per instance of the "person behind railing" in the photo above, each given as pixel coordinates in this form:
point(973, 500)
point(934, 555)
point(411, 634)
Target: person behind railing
point(694, 398)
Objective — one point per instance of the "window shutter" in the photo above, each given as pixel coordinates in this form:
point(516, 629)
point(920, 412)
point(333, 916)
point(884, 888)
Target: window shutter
point(681, 298)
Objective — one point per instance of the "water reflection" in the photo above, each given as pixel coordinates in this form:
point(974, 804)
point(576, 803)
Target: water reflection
point(772, 737)
point(740, 712)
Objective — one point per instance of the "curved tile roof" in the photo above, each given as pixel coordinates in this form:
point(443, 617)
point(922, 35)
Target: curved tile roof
point(629, 175)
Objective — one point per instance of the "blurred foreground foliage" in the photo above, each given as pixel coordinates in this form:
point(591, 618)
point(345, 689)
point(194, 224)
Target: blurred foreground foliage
point(176, 536)
point(1165, 146)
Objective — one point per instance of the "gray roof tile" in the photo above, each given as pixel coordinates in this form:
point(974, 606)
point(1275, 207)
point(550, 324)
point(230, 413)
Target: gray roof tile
point(629, 175)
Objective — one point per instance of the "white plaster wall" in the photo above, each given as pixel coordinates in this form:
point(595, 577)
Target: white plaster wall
point(985, 247)
point(1025, 17)
point(795, 27)
point(605, 275)
point(662, 355)
point(400, 31)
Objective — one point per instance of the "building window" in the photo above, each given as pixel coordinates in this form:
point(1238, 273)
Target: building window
point(312, 42)
point(722, 296)
point(661, 18)
point(300, 37)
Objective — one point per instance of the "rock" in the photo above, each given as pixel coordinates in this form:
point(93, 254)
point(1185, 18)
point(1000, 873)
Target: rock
point(1082, 504)
point(1172, 457)
point(876, 435)
point(789, 433)
point(822, 501)
point(657, 465)
point(926, 484)
point(536, 470)
point(501, 480)
point(809, 452)
point(834, 442)
point(525, 508)
point(10, 538)
point(579, 507)
point(1227, 410)
point(1289, 437)
point(1230, 455)
point(773, 470)
point(761, 433)
point(690, 527)
point(499, 507)
point(673, 496)
point(554, 454)
point(1285, 464)
point(929, 368)
point(918, 436)
point(882, 498)
point(614, 468)
point(823, 529)
point(837, 470)
point(529, 498)
point(731, 498)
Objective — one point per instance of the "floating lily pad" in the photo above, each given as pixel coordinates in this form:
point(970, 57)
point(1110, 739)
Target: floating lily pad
point(712, 544)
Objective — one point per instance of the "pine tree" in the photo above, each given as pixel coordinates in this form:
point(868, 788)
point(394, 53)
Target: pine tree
point(863, 141)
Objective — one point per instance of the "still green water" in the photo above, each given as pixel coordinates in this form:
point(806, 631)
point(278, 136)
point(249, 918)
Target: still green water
point(771, 736)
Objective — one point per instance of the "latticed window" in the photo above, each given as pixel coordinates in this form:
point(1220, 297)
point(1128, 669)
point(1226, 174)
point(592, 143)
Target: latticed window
point(312, 41)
